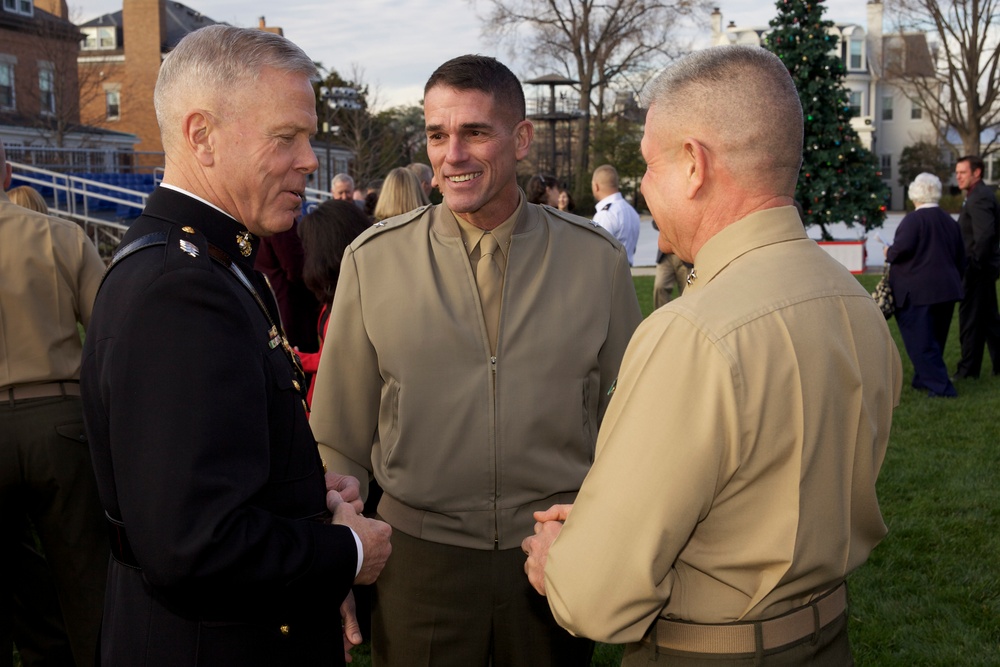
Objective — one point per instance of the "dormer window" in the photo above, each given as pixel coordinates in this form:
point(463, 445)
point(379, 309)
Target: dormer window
point(25, 7)
point(857, 49)
point(99, 38)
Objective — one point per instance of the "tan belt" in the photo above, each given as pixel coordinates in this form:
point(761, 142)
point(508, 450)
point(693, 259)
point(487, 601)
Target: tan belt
point(46, 390)
point(733, 638)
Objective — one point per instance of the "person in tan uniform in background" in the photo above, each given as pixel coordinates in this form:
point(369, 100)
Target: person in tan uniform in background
point(49, 274)
point(734, 484)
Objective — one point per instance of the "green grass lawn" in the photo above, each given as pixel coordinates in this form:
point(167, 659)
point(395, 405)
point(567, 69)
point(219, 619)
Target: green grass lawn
point(930, 593)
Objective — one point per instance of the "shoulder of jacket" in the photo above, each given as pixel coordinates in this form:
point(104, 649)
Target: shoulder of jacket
point(390, 224)
point(180, 246)
point(578, 221)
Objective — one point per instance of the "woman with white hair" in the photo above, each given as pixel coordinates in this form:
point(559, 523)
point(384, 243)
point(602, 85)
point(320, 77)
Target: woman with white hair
point(927, 257)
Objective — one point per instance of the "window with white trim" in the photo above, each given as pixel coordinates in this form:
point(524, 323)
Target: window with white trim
point(856, 46)
point(887, 107)
point(886, 167)
point(46, 87)
point(113, 103)
point(7, 99)
point(916, 111)
point(98, 38)
point(854, 102)
point(25, 7)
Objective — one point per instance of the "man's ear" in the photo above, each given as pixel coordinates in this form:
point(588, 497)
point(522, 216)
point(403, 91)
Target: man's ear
point(524, 132)
point(7, 176)
point(696, 166)
point(200, 132)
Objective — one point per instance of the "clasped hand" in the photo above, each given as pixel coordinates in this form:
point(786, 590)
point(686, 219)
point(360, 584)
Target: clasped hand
point(548, 525)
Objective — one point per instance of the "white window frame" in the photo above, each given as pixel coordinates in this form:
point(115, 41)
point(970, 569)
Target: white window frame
point(46, 67)
point(22, 7)
point(112, 90)
point(861, 102)
point(887, 111)
point(10, 63)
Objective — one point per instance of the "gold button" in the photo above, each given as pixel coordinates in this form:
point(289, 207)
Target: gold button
point(188, 230)
point(284, 630)
point(298, 387)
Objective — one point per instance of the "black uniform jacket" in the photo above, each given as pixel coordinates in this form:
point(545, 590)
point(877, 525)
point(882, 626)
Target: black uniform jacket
point(202, 450)
point(980, 223)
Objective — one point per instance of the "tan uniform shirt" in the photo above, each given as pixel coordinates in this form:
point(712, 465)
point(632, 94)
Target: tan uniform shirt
point(49, 275)
point(466, 442)
point(736, 466)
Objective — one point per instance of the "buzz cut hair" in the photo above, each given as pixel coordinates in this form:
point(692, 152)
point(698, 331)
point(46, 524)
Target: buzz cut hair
point(744, 101)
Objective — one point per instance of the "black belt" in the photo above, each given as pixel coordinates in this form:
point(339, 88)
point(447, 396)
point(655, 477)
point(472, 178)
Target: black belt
point(45, 390)
point(121, 549)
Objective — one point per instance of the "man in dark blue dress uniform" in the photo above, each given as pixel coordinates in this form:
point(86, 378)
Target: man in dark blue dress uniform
point(230, 545)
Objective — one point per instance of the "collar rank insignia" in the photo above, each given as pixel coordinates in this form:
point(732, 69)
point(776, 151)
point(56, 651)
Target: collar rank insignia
point(243, 241)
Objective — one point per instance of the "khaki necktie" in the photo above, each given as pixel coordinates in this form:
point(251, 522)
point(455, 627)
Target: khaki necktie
point(490, 281)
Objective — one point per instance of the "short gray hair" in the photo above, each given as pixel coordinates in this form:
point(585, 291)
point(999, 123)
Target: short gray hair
point(745, 100)
point(341, 178)
point(925, 189)
point(221, 59)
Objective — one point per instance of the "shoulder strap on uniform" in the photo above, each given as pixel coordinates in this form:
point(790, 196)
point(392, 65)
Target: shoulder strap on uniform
point(151, 239)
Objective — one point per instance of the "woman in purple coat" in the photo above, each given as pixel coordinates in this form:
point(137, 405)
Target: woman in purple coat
point(927, 257)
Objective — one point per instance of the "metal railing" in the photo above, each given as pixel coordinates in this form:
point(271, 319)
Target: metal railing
point(103, 160)
point(103, 209)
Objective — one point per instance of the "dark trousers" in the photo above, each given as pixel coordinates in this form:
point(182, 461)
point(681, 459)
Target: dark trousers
point(978, 322)
point(449, 606)
point(46, 475)
point(832, 648)
point(925, 331)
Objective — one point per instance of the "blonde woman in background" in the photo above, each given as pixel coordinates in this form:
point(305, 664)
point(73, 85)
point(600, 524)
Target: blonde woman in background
point(28, 197)
point(401, 193)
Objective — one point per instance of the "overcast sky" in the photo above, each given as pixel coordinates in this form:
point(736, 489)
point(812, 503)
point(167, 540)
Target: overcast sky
point(398, 43)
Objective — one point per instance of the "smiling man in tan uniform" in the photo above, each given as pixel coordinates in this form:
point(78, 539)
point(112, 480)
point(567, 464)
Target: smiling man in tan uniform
point(736, 466)
point(483, 404)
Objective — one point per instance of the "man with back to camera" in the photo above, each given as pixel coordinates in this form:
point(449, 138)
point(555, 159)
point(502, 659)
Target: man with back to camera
point(750, 418)
point(50, 273)
point(978, 319)
point(483, 382)
point(229, 544)
point(342, 187)
point(614, 213)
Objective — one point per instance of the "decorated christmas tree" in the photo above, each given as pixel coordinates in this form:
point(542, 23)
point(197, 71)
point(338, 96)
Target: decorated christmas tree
point(840, 181)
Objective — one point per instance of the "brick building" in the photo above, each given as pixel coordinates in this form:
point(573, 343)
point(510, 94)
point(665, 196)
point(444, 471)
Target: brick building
point(39, 88)
point(119, 62)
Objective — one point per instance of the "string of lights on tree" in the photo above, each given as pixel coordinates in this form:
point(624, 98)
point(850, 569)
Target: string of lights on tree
point(839, 181)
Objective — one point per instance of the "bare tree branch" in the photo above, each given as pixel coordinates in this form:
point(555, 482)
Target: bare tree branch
point(963, 92)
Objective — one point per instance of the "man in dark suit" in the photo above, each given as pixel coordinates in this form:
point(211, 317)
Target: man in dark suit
point(978, 320)
point(229, 545)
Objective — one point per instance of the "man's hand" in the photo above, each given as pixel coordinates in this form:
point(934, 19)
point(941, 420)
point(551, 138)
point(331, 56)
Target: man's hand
point(374, 537)
point(348, 488)
point(549, 525)
point(352, 631)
